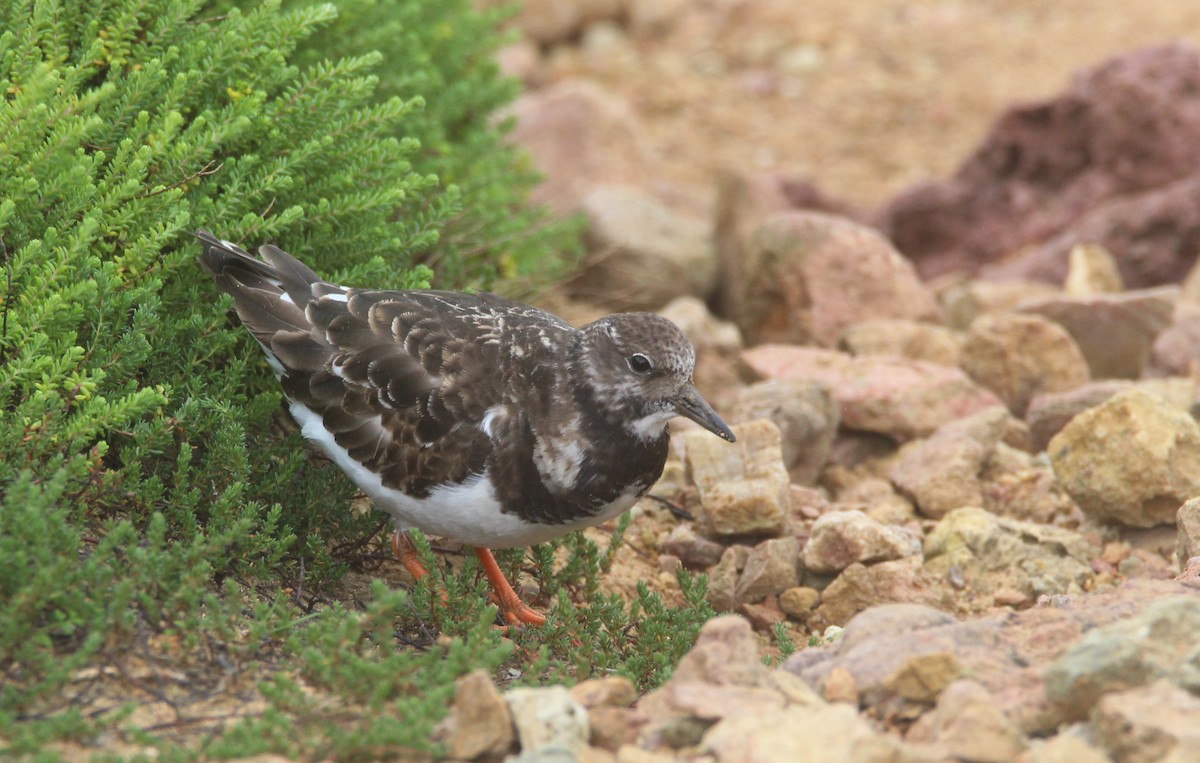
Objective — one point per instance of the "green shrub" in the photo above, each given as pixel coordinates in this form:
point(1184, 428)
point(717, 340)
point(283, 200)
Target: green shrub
point(148, 482)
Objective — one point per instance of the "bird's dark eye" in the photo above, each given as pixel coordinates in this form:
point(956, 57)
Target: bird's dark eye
point(639, 363)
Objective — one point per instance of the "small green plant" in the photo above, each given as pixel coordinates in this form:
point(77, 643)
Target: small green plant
point(159, 516)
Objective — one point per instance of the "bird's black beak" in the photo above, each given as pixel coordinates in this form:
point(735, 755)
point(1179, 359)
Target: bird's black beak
point(690, 405)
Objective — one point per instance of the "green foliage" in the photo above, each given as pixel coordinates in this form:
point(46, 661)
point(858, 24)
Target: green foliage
point(153, 506)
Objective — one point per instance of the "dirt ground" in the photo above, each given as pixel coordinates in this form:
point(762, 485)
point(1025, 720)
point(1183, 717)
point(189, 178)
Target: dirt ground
point(864, 97)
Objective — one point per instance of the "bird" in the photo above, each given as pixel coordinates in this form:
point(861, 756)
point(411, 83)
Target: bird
point(468, 416)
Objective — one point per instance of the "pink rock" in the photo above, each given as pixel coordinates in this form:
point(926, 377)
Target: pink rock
point(897, 397)
point(1124, 127)
point(579, 136)
point(807, 276)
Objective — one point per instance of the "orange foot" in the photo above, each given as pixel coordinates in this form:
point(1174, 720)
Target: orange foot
point(512, 609)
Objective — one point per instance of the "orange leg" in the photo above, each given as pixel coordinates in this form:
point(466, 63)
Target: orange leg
point(515, 611)
point(406, 552)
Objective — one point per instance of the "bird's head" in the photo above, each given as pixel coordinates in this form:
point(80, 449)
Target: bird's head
point(638, 366)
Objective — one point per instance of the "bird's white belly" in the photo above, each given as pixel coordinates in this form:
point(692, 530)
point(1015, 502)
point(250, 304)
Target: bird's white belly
point(467, 512)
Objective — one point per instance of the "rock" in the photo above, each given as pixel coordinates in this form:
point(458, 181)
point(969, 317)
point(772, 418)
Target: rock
point(692, 548)
point(1188, 543)
point(1064, 748)
point(1019, 356)
point(548, 718)
point(719, 374)
point(640, 254)
point(479, 725)
point(705, 331)
point(964, 301)
point(611, 727)
point(1159, 642)
point(993, 553)
point(896, 397)
point(1115, 332)
point(723, 578)
point(1091, 269)
point(770, 569)
point(1030, 493)
point(883, 646)
point(1049, 413)
point(1177, 349)
point(941, 473)
point(722, 675)
point(860, 587)
point(922, 678)
point(610, 691)
point(806, 416)
point(553, 21)
point(579, 137)
point(799, 602)
point(796, 735)
point(646, 17)
point(519, 60)
point(902, 338)
point(1131, 460)
point(841, 538)
point(969, 726)
point(744, 202)
point(1148, 724)
point(1045, 164)
point(763, 615)
point(743, 488)
point(878, 500)
point(1006, 652)
point(1149, 229)
point(807, 276)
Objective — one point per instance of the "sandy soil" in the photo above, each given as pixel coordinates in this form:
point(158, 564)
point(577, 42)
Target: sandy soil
point(863, 97)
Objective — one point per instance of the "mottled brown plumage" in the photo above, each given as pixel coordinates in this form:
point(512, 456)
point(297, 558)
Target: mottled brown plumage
point(468, 415)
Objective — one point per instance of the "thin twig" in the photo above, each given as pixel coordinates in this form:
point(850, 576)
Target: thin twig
point(204, 171)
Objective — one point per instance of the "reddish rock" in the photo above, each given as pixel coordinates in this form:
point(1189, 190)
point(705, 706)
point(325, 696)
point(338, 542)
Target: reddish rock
point(744, 201)
point(806, 276)
point(1155, 233)
point(579, 136)
point(841, 538)
point(897, 397)
point(1124, 127)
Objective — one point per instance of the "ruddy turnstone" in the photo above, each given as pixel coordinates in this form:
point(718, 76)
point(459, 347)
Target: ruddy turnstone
point(468, 416)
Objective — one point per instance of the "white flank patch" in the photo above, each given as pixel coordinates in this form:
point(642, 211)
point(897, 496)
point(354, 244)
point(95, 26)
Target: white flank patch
point(489, 418)
point(558, 461)
point(467, 512)
point(337, 297)
point(285, 297)
point(650, 427)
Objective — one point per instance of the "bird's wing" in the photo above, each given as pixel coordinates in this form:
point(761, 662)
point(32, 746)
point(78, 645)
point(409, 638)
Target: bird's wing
point(401, 379)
